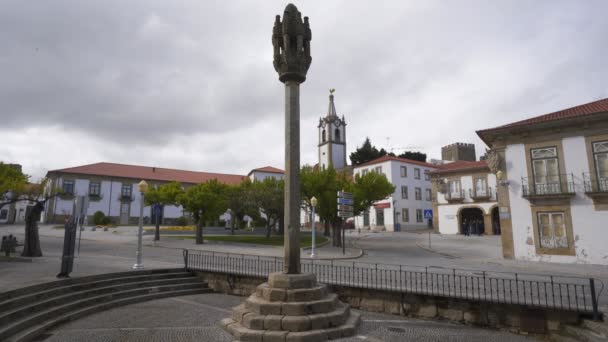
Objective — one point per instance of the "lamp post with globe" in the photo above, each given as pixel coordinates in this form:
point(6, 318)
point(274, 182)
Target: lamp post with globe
point(142, 187)
point(313, 204)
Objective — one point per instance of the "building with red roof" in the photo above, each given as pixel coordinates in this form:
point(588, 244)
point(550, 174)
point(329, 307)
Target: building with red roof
point(465, 199)
point(553, 184)
point(112, 189)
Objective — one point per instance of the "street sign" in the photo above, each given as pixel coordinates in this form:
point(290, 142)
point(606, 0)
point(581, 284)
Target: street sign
point(157, 209)
point(428, 214)
point(346, 201)
point(345, 214)
point(345, 207)
point(344, 194)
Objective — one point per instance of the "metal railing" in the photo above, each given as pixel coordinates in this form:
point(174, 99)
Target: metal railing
point(559, 292)
point(482, 194)
point(454, 195)
point(593, 184)
point(564, 185)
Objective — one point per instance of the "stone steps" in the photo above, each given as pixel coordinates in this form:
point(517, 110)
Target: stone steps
point(32, 332)
point(26, 309)
point(291, 307)
point(245, 334)
point(25, 314)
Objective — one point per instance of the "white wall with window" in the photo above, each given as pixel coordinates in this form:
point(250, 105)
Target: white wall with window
point(410, 193)
point(107, 198)
point(465, 186)
point(577, 216)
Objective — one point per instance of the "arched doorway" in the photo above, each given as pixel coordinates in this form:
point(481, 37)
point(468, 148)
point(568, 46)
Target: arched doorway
point(471, 221)
point(495, 221)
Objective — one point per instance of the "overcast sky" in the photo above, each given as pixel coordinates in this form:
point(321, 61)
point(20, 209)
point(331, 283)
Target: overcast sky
point(190, 84)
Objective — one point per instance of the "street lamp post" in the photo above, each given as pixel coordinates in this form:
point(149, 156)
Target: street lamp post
point(313, 203)
point(142, 187)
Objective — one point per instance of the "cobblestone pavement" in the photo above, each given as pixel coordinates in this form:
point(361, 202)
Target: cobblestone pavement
point(196, 317)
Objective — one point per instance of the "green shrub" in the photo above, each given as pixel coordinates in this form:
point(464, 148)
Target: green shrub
point(181, 221)
point(99, 217)
point(106, 221)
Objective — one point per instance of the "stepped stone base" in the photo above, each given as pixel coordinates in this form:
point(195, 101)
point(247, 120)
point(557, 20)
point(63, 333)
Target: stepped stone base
point(291, 307)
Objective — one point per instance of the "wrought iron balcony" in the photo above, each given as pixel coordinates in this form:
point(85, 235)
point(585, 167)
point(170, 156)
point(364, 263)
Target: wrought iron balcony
point(593, 184)
point(480, 194)
point(596, 188)
point(454, 196)
point(562, 188)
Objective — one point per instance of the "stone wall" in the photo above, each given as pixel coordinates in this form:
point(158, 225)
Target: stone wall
point(515, 318)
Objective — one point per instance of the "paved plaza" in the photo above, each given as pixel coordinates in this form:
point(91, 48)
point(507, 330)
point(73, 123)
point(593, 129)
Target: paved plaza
point(189, 318)
point(196, 318)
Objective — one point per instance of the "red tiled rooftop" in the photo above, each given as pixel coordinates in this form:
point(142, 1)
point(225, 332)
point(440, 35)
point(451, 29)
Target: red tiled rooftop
point(150, 173)
point(393, 158)
point(600, 106)
point(268, 169)
point(461, 165)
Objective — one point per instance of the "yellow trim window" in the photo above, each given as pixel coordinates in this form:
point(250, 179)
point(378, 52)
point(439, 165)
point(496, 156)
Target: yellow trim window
point(600, 155)
point(552, 230)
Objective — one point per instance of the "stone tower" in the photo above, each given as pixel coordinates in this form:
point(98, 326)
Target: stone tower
point(458, 151)
point(332, 138)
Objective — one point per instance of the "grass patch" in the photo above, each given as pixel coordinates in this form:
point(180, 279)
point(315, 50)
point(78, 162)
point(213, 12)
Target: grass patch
point(274, 240)
point(172, 228)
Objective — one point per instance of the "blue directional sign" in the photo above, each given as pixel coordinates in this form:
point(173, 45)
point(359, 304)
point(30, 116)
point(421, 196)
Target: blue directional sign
point(428, 214)
point(157, 209)
point(345, 201)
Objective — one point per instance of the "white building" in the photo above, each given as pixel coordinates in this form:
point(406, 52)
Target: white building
point(464, 200)
point(404, 209)
point(112, 189)
point(553, 192)
point(262, 173)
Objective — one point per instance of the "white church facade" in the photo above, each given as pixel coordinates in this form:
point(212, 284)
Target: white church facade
point(332, 138)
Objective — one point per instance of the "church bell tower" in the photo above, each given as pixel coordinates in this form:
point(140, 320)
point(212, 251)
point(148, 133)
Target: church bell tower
point(332, 138)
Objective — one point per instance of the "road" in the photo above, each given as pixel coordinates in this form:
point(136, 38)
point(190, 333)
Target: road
point(111, 252)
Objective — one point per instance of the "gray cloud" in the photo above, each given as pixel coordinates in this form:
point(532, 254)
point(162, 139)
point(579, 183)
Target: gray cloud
point(130, 79)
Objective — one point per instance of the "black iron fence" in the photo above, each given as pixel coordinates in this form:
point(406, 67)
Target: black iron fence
point(562, 184)
point(560, 292)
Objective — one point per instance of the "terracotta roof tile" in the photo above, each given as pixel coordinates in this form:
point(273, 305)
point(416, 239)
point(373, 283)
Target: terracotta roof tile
point(590, 108)
point(268, 169)
point(461, 165)
point(388, 158)
point(150, 173)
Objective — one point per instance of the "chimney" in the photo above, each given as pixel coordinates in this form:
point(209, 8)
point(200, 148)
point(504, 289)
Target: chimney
point(153, 169)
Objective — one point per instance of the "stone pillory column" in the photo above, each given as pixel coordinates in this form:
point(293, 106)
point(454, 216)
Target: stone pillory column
point(291, 43)
point(291, 306)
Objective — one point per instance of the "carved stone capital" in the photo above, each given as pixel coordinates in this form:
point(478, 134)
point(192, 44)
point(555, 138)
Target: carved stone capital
point(494, 160)
point(291, 43)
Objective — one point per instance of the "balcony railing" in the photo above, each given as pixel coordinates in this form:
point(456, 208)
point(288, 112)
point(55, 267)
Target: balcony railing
point(562, 187)
point(594, 184)
point(454, 196)
point(480, 194)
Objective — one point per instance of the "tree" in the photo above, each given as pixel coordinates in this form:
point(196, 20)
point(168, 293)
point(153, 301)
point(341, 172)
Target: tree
point(165, 194)
point(419, 156)
point(205, 201)
point(324, 185)
point(241, 203)
point(366, 153)
point(12, 182)
point(370, 188)
point(14, 187)
point(39, 195)
point(268, 195)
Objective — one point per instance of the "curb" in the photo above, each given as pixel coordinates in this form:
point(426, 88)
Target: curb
point(419, 245)
point(317, 245)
